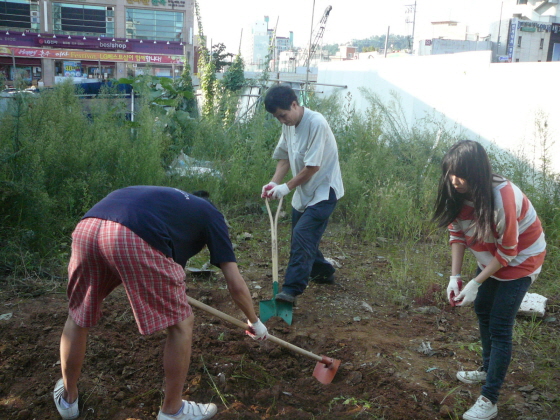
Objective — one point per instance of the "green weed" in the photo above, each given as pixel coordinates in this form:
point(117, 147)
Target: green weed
point(472, 347)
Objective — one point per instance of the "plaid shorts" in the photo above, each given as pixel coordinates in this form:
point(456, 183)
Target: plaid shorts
point(106, 254)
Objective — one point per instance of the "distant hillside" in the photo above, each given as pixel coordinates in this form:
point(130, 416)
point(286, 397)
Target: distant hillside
point(376, 42)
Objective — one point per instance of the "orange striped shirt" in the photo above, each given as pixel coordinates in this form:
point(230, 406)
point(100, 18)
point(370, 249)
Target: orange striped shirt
point(518, 242)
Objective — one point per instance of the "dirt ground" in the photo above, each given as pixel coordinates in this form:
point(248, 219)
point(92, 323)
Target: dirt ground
point(397, 361)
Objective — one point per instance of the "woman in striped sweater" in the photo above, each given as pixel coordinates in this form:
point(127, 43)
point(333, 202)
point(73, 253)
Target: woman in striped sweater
point(492, 217)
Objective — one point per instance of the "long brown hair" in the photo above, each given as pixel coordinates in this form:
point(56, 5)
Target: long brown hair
point(468, 160)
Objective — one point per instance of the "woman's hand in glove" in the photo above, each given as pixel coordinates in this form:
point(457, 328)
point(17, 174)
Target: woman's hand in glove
point(468, 294)
point(453, 286)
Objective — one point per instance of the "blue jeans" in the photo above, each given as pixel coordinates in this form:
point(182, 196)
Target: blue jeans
point(306, 260)
point(496, 306)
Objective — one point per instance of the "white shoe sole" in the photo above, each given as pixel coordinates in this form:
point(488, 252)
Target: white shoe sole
point(469, 381)
point(492, 416)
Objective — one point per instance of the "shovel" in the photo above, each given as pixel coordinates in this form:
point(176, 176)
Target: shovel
point(270, 308)
point(325, 369)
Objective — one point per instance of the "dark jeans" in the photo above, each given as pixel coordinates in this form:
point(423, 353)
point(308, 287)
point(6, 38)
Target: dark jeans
point(496, 306)
point(306, 260)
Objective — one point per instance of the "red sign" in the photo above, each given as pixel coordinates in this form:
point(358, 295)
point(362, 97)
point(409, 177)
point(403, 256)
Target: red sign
point(93, 56)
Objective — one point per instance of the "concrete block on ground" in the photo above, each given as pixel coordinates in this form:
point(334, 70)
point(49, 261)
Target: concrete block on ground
point(533, 304)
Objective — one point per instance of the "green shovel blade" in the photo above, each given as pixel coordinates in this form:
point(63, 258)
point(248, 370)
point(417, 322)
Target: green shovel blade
point(273, 307)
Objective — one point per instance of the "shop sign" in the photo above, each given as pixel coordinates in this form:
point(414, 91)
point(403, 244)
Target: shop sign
point(532, 26)
point(72, 69)
point(146, 2)
point(95, 56)
point(511, 39)
point(172, 3)
point(80, 43)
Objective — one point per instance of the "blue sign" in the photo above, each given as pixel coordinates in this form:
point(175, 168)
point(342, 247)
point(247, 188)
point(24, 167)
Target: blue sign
point(511, 38)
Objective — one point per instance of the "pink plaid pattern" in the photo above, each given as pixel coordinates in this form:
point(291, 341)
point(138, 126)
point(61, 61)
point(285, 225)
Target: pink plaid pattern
point(106, 254)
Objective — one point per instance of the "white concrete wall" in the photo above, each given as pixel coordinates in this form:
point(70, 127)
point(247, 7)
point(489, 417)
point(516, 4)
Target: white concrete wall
point(458, 30)
point(453, 46)
point(488, 102)
point(530, 46)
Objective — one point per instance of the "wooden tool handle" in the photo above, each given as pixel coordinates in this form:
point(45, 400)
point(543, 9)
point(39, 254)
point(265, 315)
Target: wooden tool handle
point(274, 238)
point(245, 326)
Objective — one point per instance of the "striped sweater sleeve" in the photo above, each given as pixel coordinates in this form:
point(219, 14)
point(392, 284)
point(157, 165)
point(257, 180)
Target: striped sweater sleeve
point(517, 226)
point(456, 234)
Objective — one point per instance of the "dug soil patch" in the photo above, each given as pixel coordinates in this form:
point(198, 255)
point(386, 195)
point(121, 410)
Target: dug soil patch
point(398, 361)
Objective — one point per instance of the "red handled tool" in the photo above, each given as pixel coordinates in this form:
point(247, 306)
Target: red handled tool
point(452, 294)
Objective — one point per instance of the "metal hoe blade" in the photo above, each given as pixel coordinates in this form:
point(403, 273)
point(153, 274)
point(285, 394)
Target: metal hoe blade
point(326, 369)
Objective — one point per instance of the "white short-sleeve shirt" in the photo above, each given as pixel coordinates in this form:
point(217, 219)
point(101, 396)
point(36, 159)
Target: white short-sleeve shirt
point(311, 143)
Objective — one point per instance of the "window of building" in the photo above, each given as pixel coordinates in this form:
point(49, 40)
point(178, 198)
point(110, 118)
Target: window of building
point(170, 71)
point(517, 60)
point(81, 19)
point(25, 73)
point(19, 14)
point(542, 43)
point(521, 1)
point(519, 41)
point(84, 69)
point(158, 25)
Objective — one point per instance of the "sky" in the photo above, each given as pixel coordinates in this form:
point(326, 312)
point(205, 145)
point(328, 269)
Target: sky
point(223, 20)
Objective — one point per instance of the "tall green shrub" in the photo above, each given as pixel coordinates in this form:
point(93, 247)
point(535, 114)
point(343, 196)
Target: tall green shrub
point(57, 161)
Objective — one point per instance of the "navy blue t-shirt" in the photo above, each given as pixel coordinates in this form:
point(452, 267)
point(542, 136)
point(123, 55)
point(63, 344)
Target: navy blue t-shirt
point(174, 222)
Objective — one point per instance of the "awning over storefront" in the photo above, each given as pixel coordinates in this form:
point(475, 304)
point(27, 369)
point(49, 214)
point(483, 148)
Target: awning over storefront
point(34, 40)
point(21, 61)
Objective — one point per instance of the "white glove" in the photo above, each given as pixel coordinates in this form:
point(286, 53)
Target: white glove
point(257, 331)
point(279, 191)
point(468, 294)
point(454, 286)
point(266, 189)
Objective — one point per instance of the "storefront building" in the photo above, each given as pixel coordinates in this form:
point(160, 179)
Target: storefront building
point(46, 42)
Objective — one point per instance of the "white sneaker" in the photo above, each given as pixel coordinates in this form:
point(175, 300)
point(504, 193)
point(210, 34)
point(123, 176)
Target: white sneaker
point(483, 409)
point(472, 376)
point(192, 411)
point(69, 413)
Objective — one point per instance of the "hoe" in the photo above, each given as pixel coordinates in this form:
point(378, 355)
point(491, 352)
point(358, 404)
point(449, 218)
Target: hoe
point(325, 369)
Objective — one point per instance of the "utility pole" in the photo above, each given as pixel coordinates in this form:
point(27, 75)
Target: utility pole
point(240, 40)
point(387, 39)
point(309, 56)
point(499, 30)
point(411, 8)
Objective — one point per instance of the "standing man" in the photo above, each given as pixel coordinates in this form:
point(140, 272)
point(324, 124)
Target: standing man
point(142, 237)
point(307, 146)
